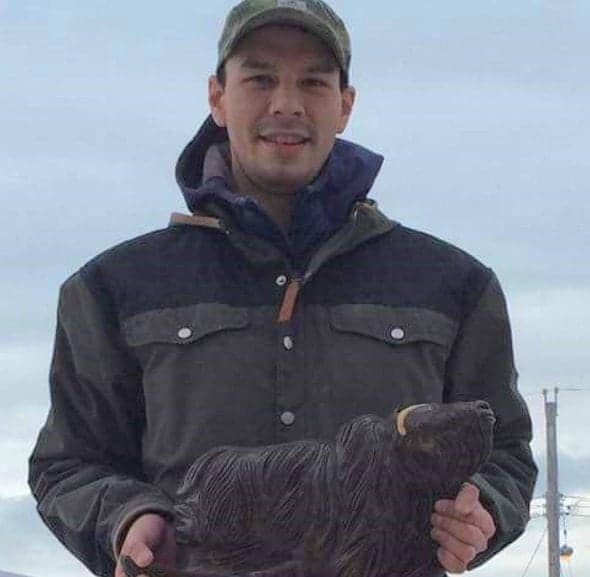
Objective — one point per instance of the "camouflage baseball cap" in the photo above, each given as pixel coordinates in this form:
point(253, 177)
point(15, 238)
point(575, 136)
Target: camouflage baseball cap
point(314, 16)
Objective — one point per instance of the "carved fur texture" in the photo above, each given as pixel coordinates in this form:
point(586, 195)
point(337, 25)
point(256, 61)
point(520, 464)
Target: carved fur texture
point(356, 507)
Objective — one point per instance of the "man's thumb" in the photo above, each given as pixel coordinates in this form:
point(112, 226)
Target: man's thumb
point(467, 499)
point(141, 554)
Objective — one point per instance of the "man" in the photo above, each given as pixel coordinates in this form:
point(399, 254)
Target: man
point(285, 305)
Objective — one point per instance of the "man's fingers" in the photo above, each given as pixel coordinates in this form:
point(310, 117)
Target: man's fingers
point(120, 572)
point(449, 562)
point(466, 533)
point(457, 553)
point(445, 507)
point(467, 499)
point(139, 553)
point(478, 517)
point(449, 508)
point(462, 528)
point(486, 523)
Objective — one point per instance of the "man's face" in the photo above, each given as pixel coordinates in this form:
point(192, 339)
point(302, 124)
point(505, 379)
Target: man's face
point(282, 106)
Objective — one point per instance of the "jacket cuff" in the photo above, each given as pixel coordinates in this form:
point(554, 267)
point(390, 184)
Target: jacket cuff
point(132, 510)
point(507, 529)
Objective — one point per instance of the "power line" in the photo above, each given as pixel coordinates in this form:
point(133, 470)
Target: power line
point(569, 389)
point(553, 505)
point(534, 552)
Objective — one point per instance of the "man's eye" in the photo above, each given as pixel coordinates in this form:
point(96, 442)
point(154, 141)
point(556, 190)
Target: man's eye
point(313, 82)
point(262, 80)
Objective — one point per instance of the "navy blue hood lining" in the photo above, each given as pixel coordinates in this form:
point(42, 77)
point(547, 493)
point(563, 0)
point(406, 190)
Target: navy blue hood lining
point(321, 208)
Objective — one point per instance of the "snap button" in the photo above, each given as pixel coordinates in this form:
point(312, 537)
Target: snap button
point(398, 333)
point(281, 280)
point(184, 333)
point(288, 343)
point(287, 418)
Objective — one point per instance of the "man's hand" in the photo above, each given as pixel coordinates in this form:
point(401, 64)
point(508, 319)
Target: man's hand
point(462, 528)
point(149, 538)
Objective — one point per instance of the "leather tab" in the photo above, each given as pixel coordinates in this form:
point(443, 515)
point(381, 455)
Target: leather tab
point(289, 300)
point(195, 220)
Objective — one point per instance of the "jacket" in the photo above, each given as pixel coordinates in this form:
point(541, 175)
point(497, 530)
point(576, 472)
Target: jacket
point(217, 330)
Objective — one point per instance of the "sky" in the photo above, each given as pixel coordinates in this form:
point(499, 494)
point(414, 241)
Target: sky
point(481, 110)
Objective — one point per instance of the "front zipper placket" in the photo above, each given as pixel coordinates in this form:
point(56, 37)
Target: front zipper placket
point(291, 364)
point(290, 358)
point(290, 385)
point(293, 289)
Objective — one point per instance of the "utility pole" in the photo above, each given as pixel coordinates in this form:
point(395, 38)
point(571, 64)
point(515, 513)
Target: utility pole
point(552, 496)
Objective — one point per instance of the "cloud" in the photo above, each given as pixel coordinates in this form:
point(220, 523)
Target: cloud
point(550, 328)
point(13, 470)
point(18, 433)
point(481, 109)
point(28, 547)
point(515, 559)
point(462, 40)
point(573, 472)
point(25, 370)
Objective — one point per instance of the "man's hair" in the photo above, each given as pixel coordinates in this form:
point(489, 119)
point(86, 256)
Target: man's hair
point(221, 78)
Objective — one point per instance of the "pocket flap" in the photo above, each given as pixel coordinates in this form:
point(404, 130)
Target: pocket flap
point(182, 325)
point(394, 325)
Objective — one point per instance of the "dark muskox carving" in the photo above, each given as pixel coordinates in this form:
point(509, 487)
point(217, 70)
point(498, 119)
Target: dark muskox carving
point(356, 507)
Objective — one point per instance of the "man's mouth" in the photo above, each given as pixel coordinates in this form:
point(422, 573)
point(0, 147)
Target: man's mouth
point(285, 139)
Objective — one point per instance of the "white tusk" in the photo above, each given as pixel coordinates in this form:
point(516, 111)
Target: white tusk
point(400, 420)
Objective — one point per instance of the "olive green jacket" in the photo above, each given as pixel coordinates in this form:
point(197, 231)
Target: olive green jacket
point(200, 335)
point(215, 331)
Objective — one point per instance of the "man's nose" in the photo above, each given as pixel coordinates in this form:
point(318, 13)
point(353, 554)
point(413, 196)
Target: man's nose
point(286, 100)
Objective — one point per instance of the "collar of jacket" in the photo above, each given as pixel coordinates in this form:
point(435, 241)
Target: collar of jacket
point(321, 208)
point(365, 222)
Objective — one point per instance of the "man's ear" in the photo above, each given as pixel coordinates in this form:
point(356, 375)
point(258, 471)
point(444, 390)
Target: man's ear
point(348, 97)
point(216, 104)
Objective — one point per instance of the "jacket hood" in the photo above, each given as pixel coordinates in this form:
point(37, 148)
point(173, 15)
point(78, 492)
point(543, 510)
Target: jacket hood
point(321, 207)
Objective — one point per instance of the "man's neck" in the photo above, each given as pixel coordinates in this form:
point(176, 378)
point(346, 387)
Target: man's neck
point(278, 205)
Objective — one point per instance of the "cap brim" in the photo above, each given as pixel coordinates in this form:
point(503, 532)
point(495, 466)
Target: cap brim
point(290, 17)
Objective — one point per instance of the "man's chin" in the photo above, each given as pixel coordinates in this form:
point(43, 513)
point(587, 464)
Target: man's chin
point(285, 184)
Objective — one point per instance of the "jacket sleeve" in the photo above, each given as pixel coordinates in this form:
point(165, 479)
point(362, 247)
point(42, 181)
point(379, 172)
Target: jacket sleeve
point(86, 468)
point(481, 366)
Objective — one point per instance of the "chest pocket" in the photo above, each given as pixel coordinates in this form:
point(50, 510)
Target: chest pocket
point(183, 325)
point(395, 326)
point(205, 379)
point(385, 356)
point(202, 348)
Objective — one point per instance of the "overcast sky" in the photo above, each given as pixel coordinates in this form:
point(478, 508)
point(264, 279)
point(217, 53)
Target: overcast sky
point(481, 109)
